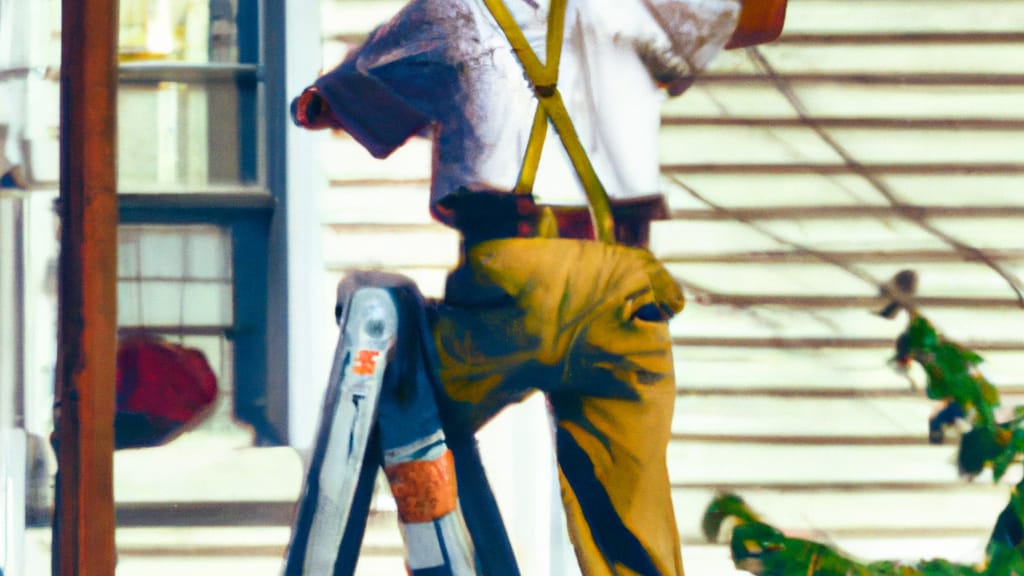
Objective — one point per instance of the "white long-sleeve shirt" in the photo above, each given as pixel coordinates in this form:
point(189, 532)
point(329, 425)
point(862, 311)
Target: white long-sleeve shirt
point(446, 66)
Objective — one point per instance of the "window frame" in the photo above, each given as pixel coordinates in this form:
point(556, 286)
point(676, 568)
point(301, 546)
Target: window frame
point(248, 212)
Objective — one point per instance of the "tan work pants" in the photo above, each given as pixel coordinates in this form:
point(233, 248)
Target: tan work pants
point(585, 323)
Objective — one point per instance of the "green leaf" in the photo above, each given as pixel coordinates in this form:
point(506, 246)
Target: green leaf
point(971, 357)
point(944, 568)
point(1004, 561)
point(951, 373)
point(921, 335)
point(755, 542)
point(764, 550)
point(978, 447)
point(988, 392)
point(1011, 439)
point(926, 568)
point(1002, 463)
point(886, 568)
point(1009, 526)
point(722, 507)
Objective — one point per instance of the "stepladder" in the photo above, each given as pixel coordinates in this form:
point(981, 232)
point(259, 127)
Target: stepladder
point(384, 408)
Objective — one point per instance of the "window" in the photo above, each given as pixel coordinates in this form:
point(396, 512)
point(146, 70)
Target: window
point(193, 175)
point(189, 115)
point(187, 270)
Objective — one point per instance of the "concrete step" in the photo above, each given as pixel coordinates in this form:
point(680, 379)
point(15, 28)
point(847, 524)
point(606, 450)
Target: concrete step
point(260, 552)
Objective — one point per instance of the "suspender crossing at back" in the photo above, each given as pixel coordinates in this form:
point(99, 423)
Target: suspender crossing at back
point(551, 108)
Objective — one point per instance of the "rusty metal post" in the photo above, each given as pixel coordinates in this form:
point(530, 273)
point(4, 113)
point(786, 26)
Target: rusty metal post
point(86, 365)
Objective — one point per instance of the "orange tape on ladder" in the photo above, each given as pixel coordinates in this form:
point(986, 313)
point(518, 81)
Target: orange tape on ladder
point(424, 490)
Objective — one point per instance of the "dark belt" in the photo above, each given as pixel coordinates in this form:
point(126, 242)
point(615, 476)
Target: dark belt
point(482, 216)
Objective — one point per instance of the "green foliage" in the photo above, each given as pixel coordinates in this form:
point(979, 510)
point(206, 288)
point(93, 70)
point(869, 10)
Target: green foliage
point(724, 507)
point(762, 549)
point(952, 370)
point(1004, 561)
point(953, 376)
point(926, 568)
point(1008, 455)
point(978, 448)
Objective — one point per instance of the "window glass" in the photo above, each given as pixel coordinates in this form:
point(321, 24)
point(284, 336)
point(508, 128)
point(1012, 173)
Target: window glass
point(188, 110)
point(178, 30)
point(186, 137)
point(174, 277)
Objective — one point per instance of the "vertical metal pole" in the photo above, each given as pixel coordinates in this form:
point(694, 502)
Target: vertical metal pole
point(88, 290)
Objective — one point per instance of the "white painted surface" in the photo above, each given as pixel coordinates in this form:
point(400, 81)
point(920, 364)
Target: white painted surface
point(12, 500)
point(830, 441)
point(12, 436)
point(311, 327)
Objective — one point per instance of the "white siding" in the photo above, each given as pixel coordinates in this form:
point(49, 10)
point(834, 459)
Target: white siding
point(788, 189)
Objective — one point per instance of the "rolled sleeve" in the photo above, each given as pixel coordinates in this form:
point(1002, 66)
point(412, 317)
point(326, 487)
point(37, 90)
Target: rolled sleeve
point(386, 90)
point(365, 107)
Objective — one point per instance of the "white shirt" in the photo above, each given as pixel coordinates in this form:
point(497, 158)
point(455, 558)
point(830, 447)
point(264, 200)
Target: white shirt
point(446, 66)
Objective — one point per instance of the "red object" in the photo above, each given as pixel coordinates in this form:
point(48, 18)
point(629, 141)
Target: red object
point(163, 389)
point(761, 22)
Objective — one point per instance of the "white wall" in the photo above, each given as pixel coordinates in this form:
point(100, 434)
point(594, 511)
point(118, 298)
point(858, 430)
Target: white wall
point(311, 328)
point(12, 440)
point(40, 303)
point(12, 501)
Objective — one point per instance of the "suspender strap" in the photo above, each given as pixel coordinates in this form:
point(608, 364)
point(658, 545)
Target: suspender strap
point(550, 107)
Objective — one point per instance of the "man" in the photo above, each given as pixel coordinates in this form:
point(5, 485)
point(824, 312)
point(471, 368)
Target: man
point(535, 304)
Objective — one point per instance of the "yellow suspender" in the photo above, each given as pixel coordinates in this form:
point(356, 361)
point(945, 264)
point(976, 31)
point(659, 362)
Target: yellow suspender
point(550, 106)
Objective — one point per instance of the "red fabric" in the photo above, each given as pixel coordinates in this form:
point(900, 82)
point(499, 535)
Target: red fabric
point(161, 389)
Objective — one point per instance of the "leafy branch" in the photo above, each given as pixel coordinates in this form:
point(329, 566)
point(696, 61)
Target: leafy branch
point(764, 550)
point(953, 378)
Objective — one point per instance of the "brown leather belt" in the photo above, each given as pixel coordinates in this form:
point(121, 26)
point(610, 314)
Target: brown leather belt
point(482, 216)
